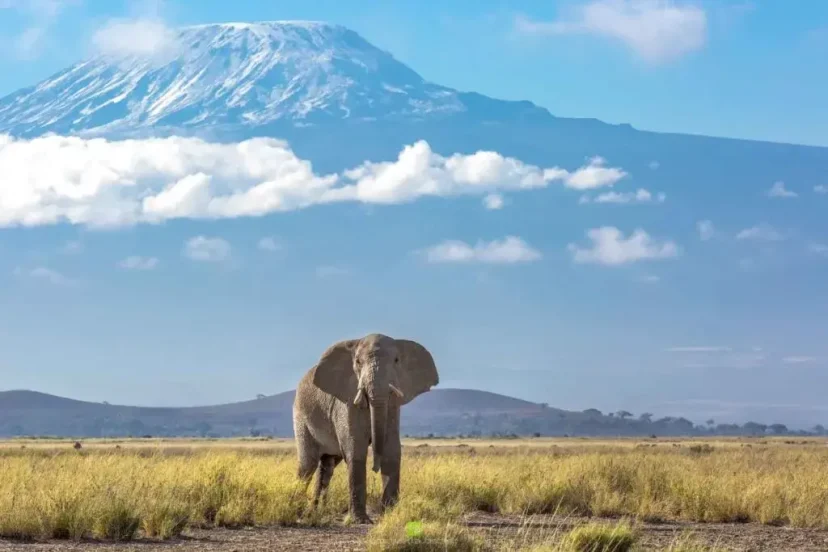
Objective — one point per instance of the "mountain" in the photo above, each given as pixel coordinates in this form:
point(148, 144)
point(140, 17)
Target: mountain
point(243, 75)
point(339, 101)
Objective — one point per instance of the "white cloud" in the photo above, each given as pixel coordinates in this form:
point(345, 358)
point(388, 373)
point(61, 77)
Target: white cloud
point(639, 196)
point(761, 232)
point(589, 177)
point(136, 262)
point(799, 360)
point(493, 201)
point(143, 38)
point(269, 244)
point(699, 349)
point(778, 190)
point(654, 165)
point(204, 249)
point(46, 274)
point(658, 31)
point(509, 250)
point(103, 183)
point(706, 230)
point(821, 189)
point(609, 247)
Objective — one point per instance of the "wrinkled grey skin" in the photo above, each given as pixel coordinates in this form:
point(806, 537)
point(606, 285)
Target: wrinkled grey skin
point(351, 398)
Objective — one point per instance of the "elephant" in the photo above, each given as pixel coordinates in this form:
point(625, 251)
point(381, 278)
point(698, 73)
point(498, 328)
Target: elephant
point(351, 399)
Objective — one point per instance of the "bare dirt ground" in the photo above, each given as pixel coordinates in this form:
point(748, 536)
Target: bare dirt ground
point(496, 528)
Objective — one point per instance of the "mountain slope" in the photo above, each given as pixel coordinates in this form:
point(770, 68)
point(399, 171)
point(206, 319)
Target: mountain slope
point(243, 75)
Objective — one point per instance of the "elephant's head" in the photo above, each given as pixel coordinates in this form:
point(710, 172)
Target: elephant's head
point(373, 370)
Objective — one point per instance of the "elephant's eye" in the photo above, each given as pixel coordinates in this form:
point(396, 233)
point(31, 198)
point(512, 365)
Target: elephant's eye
point(397, 359)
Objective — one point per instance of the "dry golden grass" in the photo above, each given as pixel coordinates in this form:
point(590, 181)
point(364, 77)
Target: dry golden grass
point(50, 490)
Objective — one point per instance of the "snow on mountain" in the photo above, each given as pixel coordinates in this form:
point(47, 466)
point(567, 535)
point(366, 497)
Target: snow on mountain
point(245, 75)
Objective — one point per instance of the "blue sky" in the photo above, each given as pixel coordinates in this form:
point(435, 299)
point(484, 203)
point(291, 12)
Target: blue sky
point(714, 309)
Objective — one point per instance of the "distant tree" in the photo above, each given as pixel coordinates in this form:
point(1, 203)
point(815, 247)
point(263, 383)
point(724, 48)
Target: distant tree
point(544, 405)
point(611, 414)
point(819, 429)
point(623, 414)
point(106, 403)
point(728, 429)
point(646, 417)
point(778, 429)
point(753, 428)
point(711, 422)
point(593, 412)
point(683, 425)
point(260, 396)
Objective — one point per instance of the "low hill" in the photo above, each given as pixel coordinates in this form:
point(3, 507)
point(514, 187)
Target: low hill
point(441, 411)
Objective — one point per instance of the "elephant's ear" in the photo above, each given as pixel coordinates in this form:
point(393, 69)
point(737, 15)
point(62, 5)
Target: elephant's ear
point(334, 373)
point(417, 373)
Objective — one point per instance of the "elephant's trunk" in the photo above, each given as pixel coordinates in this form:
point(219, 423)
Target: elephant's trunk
point(379, 411)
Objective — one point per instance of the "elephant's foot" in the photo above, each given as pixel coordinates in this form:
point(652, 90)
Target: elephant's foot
point(361, 519)
point(387, 504)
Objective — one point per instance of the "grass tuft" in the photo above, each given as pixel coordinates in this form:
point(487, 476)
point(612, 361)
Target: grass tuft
point(597, 537)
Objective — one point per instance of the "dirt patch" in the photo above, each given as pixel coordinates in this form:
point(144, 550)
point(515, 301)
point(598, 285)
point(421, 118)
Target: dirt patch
point(503, 529)
point(742, 537)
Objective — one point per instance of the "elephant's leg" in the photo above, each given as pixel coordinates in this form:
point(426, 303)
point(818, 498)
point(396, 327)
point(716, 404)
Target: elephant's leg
point(327, 464)
point(357, 486)
point(353, 431)
point(308, 451)
point(391, 460)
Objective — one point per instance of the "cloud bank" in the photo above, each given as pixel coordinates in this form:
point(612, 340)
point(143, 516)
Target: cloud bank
point(100, 183)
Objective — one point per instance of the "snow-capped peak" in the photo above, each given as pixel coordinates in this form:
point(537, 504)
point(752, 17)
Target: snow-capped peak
point(228, 74)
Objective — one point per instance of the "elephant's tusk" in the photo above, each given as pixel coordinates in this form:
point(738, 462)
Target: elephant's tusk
point(360, 397)
point(396, 390)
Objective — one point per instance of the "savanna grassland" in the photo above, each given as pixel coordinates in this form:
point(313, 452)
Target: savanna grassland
point(538, 494)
